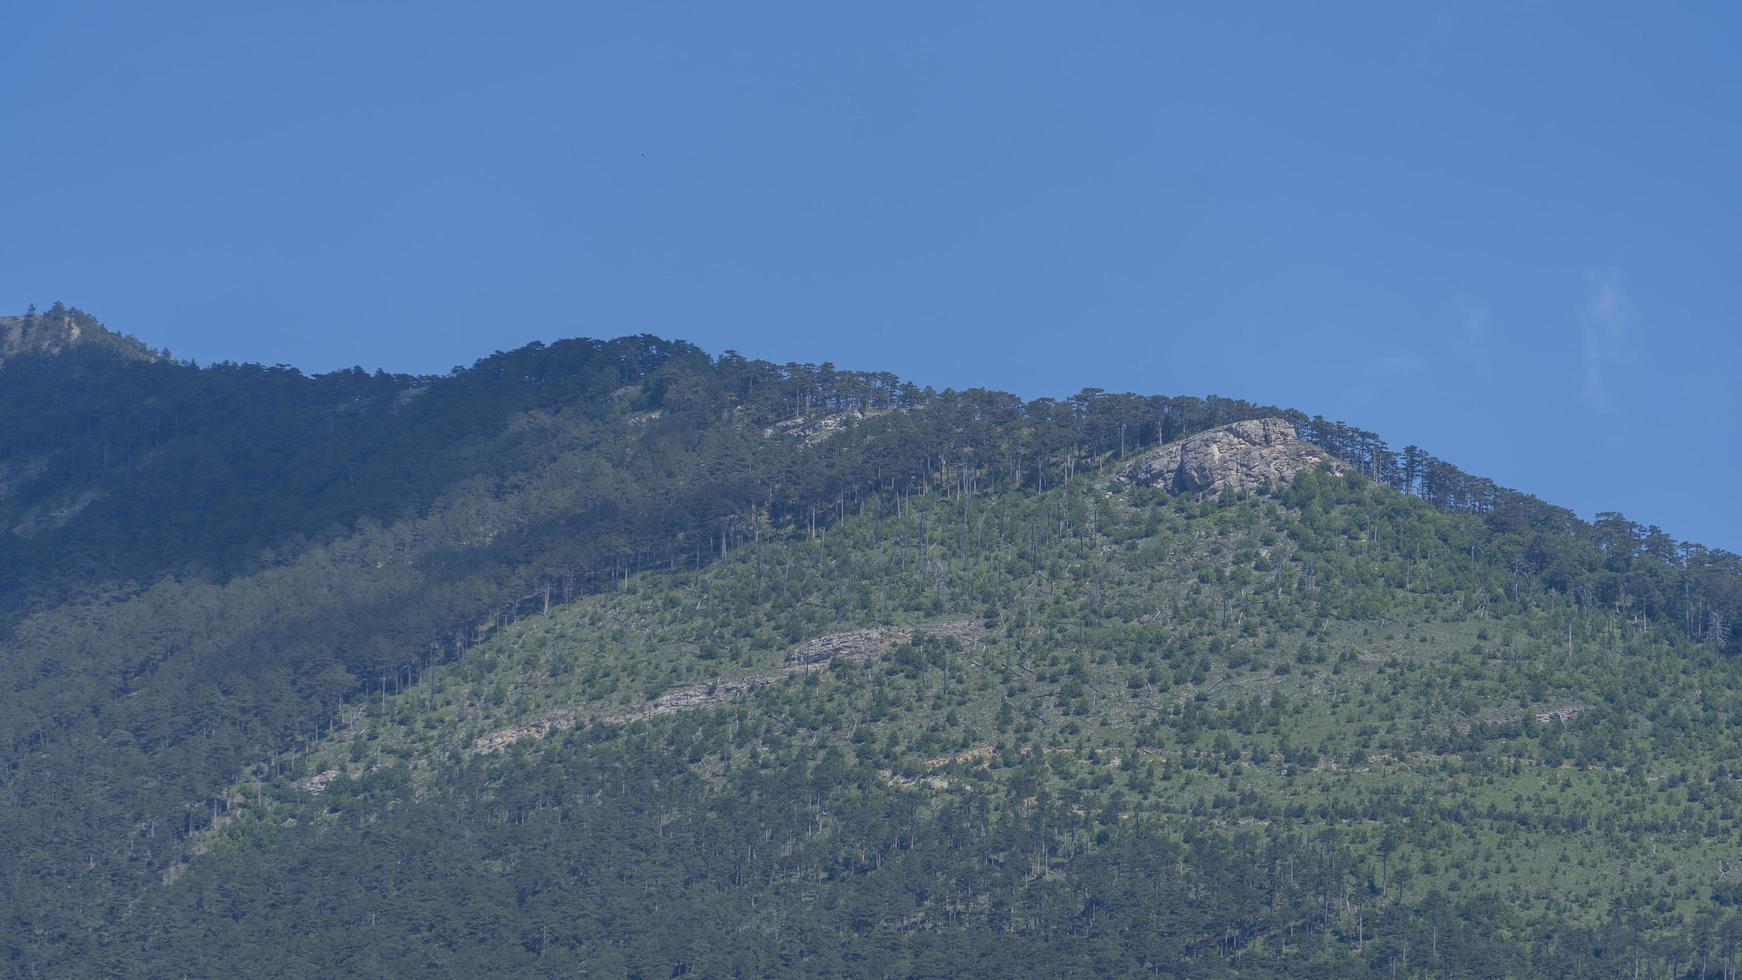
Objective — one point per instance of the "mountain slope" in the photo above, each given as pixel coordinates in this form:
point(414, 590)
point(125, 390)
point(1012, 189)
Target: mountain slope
point(808, 653)
point(1143, 670)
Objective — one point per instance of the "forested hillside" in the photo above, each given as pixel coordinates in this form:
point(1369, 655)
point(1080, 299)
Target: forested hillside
point(612, 657)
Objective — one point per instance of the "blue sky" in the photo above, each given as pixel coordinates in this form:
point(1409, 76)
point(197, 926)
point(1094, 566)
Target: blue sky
point(1508, 232)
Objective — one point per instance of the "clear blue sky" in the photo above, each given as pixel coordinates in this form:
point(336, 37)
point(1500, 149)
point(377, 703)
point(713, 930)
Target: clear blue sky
point(1508, 232)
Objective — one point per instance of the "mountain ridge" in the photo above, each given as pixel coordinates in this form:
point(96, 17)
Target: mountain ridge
point(1153, 418)
point(536, 629)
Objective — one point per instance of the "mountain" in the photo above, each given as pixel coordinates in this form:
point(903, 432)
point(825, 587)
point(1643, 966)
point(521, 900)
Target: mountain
point(616, 658)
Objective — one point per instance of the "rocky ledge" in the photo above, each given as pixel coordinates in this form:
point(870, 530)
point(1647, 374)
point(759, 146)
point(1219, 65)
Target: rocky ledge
point(1239, 456)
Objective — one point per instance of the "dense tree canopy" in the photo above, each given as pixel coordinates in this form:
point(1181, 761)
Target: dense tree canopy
point(257, 624)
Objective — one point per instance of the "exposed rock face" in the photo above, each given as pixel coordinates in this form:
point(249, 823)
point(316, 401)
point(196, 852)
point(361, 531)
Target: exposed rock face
point(48, 516)
point(60, 329)
point(812, 429)
point(1239, 456)
point(808, 657)
point(860, 644)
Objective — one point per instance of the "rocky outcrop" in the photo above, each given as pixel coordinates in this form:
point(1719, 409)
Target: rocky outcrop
point(56, 514)
point(808, 657)
point(58, 330)
point(812, 429)
point(859, 644)
point(1239, 456)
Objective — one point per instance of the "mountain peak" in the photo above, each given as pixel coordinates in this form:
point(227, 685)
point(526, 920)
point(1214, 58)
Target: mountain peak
point(59, 329)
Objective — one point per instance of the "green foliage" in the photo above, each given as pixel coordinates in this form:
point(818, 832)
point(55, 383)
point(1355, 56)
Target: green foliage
point(492, 673)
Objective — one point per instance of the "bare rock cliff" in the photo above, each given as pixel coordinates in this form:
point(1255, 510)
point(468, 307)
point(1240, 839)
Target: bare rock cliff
point(1240, 456)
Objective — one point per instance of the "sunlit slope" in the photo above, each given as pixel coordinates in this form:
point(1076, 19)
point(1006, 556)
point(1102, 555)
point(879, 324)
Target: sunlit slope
point(1330, 675)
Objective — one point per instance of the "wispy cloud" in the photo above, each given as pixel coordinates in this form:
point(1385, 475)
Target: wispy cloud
point(1474, 318)
point(1604, 321)
point(1470, 337)
point(1400, 363)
